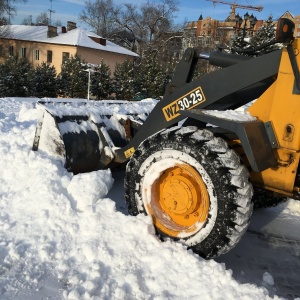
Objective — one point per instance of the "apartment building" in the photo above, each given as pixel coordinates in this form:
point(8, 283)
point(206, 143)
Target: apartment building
point(207, 31)
point(53, 45)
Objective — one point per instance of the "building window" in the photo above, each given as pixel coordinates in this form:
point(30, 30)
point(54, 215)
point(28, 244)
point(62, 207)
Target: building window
point(23, 52)
point(11, 50)
point(49, 56)
point(37, 54)
point(65, 56)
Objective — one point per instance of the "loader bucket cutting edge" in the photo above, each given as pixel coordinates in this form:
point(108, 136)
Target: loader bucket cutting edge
point(179, 201)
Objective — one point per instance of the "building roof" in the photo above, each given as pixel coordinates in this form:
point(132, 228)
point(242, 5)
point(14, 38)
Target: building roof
point(75, 37)
point(287, 14)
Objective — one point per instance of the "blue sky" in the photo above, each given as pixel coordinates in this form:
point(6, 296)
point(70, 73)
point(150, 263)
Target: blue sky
point(190, 10)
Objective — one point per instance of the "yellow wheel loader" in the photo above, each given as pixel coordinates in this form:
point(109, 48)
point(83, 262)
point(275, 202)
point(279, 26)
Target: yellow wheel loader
point(193, 169)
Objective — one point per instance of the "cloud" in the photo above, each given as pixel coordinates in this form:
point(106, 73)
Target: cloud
point(79, 2)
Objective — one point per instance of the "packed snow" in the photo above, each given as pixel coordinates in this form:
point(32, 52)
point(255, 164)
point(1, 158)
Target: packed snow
point(240, 115)
point(62, 238)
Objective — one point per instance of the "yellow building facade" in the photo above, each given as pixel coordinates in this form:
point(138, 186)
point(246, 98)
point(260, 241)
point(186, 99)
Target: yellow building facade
point(53, 45)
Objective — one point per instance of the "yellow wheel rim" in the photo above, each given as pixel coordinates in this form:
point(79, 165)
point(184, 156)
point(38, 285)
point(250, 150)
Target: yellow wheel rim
point(179, 201)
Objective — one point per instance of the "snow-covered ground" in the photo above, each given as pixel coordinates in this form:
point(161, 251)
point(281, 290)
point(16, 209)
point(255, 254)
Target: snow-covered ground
point(69, 237)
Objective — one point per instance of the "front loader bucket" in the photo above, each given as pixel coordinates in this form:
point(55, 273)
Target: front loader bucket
point(85, 134)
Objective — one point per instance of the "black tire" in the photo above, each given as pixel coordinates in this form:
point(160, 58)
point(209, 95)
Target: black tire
point(225, 182)
point(264, 198)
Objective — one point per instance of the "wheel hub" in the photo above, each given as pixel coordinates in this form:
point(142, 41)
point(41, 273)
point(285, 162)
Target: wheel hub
point(179, 200)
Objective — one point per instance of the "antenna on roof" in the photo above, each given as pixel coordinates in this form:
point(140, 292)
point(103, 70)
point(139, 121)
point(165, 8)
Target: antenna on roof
point(51, 11)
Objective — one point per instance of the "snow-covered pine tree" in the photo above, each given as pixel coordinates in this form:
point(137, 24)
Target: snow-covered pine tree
point(17, 76)
point(152, 79)
point(262, 42)
point(2, 81)
point(124, 85)
point(25, 77)
point(44, 81)
point(264, 35)
point(73, 80)
point(101, 81)
point(239, 43)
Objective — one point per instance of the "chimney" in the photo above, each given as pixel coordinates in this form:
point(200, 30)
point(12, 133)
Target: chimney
point(71, 25)
point(52, 31)
point(63, 29)
point(102, 41)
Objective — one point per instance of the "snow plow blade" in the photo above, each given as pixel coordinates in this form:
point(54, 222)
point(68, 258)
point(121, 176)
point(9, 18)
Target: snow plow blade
point(86, 134)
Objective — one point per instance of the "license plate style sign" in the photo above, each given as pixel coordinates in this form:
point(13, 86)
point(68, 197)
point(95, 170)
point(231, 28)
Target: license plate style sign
point(188, 101)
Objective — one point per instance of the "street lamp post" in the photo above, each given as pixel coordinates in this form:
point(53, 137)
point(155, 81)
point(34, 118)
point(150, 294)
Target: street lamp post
point(89, 70)
point(247, 18)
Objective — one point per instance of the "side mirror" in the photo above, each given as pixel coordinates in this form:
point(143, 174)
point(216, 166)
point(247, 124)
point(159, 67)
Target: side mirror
point(285, 30)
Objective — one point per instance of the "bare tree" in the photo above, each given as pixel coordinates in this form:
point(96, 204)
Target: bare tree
point(149, 23)
point(57, 23)
point(27, 21)
point(139, 28)
point(131, 30)
point(42, 19)
point(100, 15)
point(158, 17)
point(8, 10)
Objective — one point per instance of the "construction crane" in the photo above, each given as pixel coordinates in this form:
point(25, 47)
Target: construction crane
point(235, 5)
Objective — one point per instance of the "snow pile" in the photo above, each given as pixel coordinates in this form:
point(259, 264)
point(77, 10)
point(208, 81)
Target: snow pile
point(60, 238)
point(86, 189)
point(242, 116)
point(96, 109)
point(268, 279)
point(292, 208)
